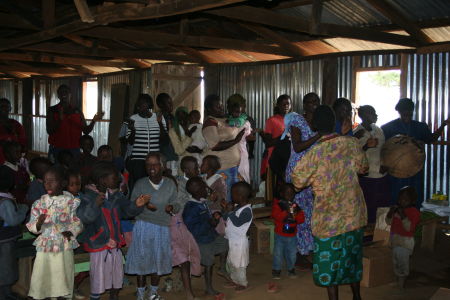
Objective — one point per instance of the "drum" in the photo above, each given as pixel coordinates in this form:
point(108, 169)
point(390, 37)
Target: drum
point(404, 156)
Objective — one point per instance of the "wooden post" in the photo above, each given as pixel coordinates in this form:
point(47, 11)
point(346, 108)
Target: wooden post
point(403, 75)
point(329, 87)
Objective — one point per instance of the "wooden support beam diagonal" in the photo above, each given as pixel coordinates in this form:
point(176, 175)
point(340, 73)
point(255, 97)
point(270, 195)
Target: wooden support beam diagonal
point(397, 17)
point(48, 13)
point(116, 13)
point(271, 35)
point(195, 54)
point(48, 58)
point(278, 20)
point(54, 71)
point(181, 40)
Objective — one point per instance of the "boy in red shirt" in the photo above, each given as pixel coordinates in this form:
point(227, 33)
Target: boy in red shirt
point(287, 216)
point(403, 218)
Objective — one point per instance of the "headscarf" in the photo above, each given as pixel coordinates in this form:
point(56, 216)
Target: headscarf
point(176, 121)
point(288, 119)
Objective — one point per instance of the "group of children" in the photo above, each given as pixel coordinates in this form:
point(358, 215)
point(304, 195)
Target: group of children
point(88, 207)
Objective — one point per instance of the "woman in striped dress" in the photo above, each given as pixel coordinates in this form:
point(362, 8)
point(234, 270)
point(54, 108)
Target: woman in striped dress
point(143, 133)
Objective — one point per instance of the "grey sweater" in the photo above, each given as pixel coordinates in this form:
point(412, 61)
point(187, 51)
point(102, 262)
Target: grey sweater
point(165, 195)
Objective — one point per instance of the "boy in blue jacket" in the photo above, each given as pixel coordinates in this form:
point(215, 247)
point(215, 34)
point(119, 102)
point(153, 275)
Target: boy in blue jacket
point(201, 223)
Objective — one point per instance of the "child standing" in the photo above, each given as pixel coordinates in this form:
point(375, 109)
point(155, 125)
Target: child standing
point(11, 215)
point(185, 252)
point(287, 216)
point(85, 160)
point(38, 167)
point(210, 166)
point(100, 211)
point(53, 217)
point(403, 219)
point(201, 224)
point(239, 216)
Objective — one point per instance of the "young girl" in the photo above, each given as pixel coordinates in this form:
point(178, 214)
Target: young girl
point(100, 211)
point(150, 250)
point(238, 119)
point(54, 219)
point(403, 218)
point(185, 251)
point(239, 216)
point(210, 166)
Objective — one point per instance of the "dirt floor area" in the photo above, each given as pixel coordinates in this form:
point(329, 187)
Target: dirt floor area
point(429, 272)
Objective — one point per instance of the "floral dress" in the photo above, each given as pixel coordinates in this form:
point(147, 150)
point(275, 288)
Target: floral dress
point(304, 199)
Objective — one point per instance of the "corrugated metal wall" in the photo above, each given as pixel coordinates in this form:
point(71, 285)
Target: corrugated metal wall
point(428, 86)
point(344, 74)
point(262, 84)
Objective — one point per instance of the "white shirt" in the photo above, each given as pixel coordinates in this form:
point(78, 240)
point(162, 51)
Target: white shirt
point(373, 154)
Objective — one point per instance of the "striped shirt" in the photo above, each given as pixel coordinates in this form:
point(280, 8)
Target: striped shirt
point(147, 135)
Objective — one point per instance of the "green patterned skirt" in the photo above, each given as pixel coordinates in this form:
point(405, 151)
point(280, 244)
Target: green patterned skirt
point(338, 260)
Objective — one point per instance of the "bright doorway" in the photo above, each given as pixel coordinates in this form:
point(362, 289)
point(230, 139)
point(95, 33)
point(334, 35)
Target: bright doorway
point(380, 89)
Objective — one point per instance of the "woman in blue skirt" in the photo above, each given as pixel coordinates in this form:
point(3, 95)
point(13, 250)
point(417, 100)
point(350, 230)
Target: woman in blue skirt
point(150, 252)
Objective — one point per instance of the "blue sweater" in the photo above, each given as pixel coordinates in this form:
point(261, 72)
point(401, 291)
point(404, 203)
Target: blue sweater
point(197, 217)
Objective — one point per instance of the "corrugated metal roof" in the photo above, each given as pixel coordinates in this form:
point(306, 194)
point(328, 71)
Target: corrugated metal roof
point(423, 10)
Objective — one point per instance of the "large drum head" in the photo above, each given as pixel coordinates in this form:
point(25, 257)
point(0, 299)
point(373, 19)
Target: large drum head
point(404, 156)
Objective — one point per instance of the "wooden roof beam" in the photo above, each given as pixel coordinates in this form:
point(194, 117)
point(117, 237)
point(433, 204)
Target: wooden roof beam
point(397, 17)
point(116, 13)
point(271, 35)
point(48, 13)
point(181, 40)
point(47, 58)
point(39, 70)
point(15, 21)
point(74, 50)
point(278, 20)
point(316, 16)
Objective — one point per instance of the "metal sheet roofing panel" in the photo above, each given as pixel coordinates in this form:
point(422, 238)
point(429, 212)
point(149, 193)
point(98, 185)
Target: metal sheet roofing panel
point(423, 10)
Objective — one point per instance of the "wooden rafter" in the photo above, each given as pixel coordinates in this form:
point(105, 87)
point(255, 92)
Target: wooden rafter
point(39, 70)
point(274, 19)
point(116, 13)
point(397, 17)
point(271, 35)
point(314, 26)
point(47, 58)
point(84, 11)
point(15, 21)
point(158, 37)
point(48, 13)
point(116, 53)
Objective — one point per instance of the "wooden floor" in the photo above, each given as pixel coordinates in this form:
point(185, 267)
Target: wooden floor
point(429, 272)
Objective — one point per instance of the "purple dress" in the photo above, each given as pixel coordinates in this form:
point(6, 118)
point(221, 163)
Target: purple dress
point(304, 199)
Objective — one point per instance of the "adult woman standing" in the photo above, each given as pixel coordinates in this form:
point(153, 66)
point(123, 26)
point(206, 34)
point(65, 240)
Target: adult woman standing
point(65, 123)
point(222, 141)
point(150, 251)
point(144, 129)
point(420, 131)
point(10, 129)
point(331, 168)
point(302, 138)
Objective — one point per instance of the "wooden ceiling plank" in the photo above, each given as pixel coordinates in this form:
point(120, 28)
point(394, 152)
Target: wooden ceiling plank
point(39, 70)
point(47, 58)
point(316, 16)
point(143, 54)
point(48, 13)
point(389, 11)
point(151, 36)
point(278, 20)
point(195, 54)
point(115, 13)
point(271, 35)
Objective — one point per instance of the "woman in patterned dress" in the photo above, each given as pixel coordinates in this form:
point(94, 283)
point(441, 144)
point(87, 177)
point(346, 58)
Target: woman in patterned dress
point(302, 137)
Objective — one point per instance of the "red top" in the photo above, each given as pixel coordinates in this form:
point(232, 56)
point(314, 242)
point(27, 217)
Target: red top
point(413, 215)
point(280, 215)
point(67, 136)
point(274, 126)
point(14, 133)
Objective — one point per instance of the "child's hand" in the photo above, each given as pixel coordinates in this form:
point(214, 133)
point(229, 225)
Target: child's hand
point(223, 204)
point(169, 209)
point(151, 207)
point(67, 234)
point(229, 206)
point(142, 200)
point(40, 221)
point(100, 199)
